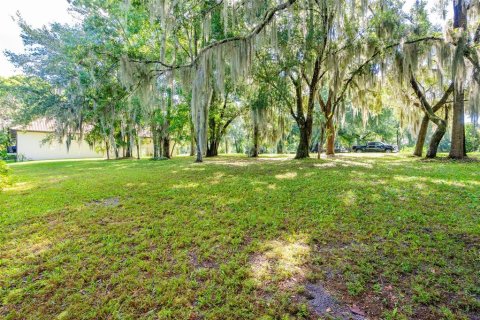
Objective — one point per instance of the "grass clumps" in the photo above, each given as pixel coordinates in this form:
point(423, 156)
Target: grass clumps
point(238, 238)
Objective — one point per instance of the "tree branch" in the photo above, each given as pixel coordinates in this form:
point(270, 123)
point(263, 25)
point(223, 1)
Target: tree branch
point(424, 103)
point(359, 69)
point(444, 98)
point(269, 15)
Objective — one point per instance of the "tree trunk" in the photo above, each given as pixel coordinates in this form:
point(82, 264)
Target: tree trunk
point(160, 147)
point(304, 143)
point(280, 146)
point(114, 145)
point(200, 127)
point(430, 114)
point(399, 147)
point(165, 134)
point(107, 146)
point(192, 140)
point(330, 136)
point(457, 150)
point(199, 139)
point(320, 141)
point(214, 140)
point(199, 153)
point(131, 139)
point(256, 134)
point(128, 152)
point(304, 124)
point(166, 147)
point(138, 147)
point(212, 148)
point(156, 151)
point(192, 147)
point(173, 149)
point(422, 134)
point(437, 137)
point(212, 143)
point(435, 141)
point(116, 151)
point(199, 157)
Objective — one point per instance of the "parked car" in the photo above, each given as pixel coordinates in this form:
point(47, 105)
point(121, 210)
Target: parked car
point(341, 149)
point(374, 147)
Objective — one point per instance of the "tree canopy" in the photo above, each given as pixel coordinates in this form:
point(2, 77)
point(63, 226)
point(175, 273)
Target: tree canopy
point(293, 72)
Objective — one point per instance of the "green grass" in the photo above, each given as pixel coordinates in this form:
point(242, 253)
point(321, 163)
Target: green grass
point(235, 238)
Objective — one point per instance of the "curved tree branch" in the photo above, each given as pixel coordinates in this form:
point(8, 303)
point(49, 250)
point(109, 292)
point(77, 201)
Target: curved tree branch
point(427, 108)
point(360, 68)
point(269, 15)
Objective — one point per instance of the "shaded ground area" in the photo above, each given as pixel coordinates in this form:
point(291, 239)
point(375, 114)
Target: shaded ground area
point(388, 237)
point(324, 304)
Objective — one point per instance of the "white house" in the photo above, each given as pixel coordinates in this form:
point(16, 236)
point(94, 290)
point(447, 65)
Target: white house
point(36, 141)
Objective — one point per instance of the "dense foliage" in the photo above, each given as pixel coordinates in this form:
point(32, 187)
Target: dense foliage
point(302, 71)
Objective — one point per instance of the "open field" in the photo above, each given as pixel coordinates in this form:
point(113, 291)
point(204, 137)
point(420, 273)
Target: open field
point(235, 238)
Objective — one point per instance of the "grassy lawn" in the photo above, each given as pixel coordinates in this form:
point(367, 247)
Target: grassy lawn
point(234, 238)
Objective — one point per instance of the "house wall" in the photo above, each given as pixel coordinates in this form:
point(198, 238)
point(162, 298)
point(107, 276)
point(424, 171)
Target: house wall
point(31, 146)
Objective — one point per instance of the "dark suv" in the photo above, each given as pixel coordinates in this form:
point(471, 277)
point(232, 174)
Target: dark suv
point(374, 147)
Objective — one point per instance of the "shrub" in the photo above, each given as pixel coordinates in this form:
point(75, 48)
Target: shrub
point(4, 175)
point(4, 142)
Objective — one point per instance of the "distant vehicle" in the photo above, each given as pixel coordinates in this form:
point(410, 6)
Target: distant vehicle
point(338, 149)
point(341, 149)
point(374, 147)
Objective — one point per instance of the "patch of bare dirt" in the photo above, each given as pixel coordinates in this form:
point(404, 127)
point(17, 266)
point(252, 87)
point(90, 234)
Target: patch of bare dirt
point(196, 263)
point(108, 202)
point(324, 304)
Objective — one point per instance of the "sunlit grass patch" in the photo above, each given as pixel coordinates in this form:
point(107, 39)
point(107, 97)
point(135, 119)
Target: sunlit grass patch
point(281, 262)
point(286, 175)
point(20, 186)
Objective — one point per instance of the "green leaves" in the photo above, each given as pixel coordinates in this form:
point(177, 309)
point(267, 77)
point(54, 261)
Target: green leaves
point(4, 175)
